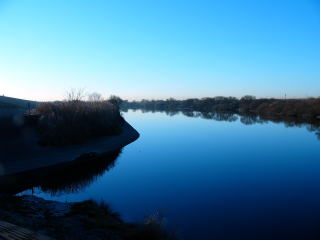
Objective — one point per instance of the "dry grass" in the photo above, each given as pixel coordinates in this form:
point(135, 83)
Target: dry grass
point(73, 122)
point(80, 220)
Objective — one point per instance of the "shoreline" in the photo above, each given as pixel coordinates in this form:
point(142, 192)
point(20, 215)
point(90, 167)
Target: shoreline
point(80, 220)
point(31, 162)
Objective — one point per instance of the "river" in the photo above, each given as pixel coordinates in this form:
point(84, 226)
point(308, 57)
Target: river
point(211, 177)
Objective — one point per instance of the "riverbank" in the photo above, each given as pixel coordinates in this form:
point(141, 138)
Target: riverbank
point(24, 162)
point(307, 109)
point(75, 121)
point(81, 220)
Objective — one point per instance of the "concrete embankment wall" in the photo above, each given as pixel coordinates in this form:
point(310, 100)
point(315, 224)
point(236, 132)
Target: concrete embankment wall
point(16, 103)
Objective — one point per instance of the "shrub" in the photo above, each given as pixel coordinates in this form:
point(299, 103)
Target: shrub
point(76, 121)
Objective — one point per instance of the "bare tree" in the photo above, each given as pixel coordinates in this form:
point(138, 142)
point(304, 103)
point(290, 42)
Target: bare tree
point(95, 97)
point(75, 95)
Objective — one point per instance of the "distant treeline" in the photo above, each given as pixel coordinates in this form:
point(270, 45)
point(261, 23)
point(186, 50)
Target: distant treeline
point(297, 108)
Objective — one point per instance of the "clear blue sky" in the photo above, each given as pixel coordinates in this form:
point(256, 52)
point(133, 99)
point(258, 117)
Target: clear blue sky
point(157, 49)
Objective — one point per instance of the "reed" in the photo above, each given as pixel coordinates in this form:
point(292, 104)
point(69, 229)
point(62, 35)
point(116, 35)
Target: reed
point(73, 122)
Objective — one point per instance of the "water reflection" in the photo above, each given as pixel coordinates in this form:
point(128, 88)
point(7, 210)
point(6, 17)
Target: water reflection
point(67, 178)
point(215, 180)
point(248, 119)
point(76, 177)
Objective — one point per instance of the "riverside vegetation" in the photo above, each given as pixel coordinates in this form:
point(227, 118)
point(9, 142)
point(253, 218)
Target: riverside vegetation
point(63, 123)
point(73, 122)
point(80, 220)
point(300, 108)
point(291, 111)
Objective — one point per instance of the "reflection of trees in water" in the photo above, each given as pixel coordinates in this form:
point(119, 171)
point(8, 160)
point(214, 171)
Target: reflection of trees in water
point(318, 134)
point(79, 175)
point(311, 125)
point(314, 129)
point(171, 113)
point(190, 114)
point(219, 116)
point(251, 119)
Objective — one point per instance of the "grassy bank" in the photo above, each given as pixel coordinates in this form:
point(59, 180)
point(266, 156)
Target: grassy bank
point(73, 122)
point(81, 220)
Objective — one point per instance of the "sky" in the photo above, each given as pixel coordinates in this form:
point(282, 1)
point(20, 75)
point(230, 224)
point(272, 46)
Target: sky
point(160, 49)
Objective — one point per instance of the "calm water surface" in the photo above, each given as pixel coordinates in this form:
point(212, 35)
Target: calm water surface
point(214, 179)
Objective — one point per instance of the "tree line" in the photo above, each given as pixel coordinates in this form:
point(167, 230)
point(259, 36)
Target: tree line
point(308, 108)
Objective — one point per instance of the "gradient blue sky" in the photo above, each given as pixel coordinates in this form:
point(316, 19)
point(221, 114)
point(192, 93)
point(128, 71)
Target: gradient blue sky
point(157, 49)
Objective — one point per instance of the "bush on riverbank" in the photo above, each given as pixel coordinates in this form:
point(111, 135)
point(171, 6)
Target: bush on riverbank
point(80, 220)
point(76, 121)
point(300, 108)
